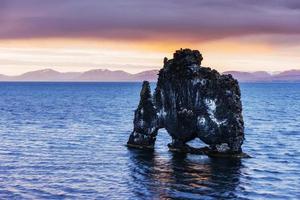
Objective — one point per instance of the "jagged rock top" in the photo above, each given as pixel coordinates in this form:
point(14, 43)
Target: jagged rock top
point(183, 59)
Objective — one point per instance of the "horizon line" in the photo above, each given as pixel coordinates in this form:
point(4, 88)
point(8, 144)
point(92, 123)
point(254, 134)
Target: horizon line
point(106, 69)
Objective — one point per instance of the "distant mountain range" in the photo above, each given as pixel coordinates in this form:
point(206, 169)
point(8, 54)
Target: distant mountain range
point(97, 75)
point(262, 76)
point(104, 75)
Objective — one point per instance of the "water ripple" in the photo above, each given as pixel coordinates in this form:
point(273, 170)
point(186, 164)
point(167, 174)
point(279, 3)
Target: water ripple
point(66, 141)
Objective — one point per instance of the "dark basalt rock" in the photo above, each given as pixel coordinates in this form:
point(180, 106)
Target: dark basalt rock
point(145, 121)
point(191, 101)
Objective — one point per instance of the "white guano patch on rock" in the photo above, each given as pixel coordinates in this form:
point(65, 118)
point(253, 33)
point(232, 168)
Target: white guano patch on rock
point(194, 67)
point(162, 113)
point(222, 147)
point(201, 121)
point(142, 122)
point(211, 110)
point(202, 81)
point(197, 99)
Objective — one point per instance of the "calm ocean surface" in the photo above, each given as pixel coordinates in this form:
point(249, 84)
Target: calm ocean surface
point(66, 141)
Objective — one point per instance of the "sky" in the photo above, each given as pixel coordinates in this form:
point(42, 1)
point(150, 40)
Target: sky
point(135, 35)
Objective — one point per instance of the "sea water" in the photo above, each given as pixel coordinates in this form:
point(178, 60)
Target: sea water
point(67, 141)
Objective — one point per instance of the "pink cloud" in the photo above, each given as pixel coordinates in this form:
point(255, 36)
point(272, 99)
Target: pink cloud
point(140, 19)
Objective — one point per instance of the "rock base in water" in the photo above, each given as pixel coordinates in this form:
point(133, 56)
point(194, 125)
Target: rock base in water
point(206, 151)
point(140, 146)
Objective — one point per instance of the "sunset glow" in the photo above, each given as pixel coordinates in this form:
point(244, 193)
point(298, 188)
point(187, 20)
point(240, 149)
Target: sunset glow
point(254, 38)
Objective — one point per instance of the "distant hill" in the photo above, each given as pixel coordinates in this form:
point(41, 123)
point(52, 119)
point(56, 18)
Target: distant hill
point(146, 75)
point(3, 77)
point(97, 75)
point(104, 75)
point(291, 75)
point(46, 75)
point(262, 76)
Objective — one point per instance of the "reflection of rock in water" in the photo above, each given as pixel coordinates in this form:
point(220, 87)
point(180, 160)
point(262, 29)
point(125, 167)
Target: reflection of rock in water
point(210, 177)
point(225, 176)
point(182, 177)
point(148, 173)
point(190, 101)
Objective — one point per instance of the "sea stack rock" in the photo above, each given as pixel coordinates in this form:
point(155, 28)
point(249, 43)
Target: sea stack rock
point(145, 121)
point(191, 101)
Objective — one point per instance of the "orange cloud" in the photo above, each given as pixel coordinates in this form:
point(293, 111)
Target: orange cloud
point(80, 54)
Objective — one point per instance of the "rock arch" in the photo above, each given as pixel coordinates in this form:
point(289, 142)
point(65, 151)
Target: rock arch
point(190, 101)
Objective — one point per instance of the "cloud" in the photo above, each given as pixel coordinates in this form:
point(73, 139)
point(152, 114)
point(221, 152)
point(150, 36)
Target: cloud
point(141, 19)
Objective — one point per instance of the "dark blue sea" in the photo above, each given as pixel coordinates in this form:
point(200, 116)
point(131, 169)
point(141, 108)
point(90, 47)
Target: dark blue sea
point(67, 141)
